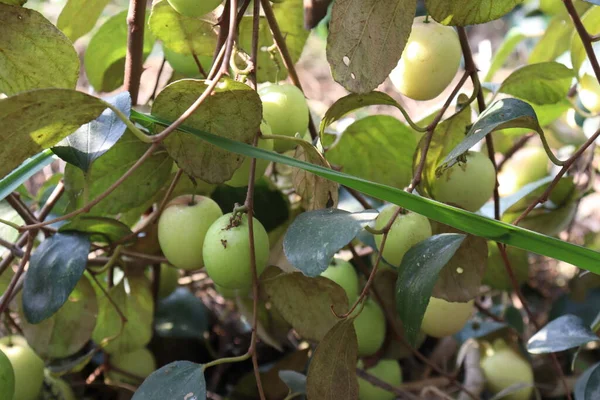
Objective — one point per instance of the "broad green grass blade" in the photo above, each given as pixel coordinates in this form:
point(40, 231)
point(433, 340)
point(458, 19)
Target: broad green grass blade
point(24, 171)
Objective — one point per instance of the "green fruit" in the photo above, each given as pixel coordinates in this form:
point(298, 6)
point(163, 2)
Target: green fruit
point(467, 185)
point(443, 318)
point(241, 175)
point(182, 227)
point(7, 377)
point(344, 274)
point(194, 8)
point(169, 280)
point(527, 165)
point(139, 363)
point(227, 251)
point(503, 367)
point(495, 273)
point(286, 111)
point(57, 389)
point(185, 63)
point(429, 61)
point(370, 328)
point(27, 366)
point(388, 371)
point(589, 93)
point(406, 231)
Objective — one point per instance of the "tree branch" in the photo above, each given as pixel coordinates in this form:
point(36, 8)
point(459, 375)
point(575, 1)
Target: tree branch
point(134, 60)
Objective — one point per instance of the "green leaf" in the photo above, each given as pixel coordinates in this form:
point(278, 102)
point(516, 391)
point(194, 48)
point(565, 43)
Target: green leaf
point(591, 22)
point(290, 16)
point(146, 181)
point(514, 36)
point(52, 114)
point(543, 83)
point(555, 41)
point(7, 377)
point(25, 171)
point(588, 384)
point(14, 3)
point(502, 114)
point(379, 148)
point(327, 230)
point(563, 333)
point(105, 54)
point(195, 156)
point(183, 35)
point(56, 266)
point(95, 138)
point(7, 213)
point(332, 370)
point(460, 279)
point(100, 229)
point(136, 304)
point(69, 329)
point(366, 39)
point(78, 17)
point(469, 12)
point(181, 315)
point(460, 219)
point(178, 380)
point(419, 273)
point(305, 303)
point(294, 380)
point(49, 61)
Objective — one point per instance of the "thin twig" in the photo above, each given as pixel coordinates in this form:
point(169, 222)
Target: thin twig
point(586, 38)
point(134, 59)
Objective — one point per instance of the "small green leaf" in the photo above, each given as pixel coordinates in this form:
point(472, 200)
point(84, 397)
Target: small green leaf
point(543, 83)
point(193, 155)
point(332, 370)
point(100, 229)
point(514, 36)
point(555, 41)
point(591, 22)
point(290, 16)
point(563, 333)
point(95, 138)
point(305, 302)
point(379, 148)
point(420, 268)
point(183, 35)
point(69, 329)
point(178, 380)
point(366, 39)
point(78, 17)
point(105, 54)
point(327, 230)
point(181, 315)
point(61, 261)
point(588, 384)
point(467, 12)
point(52, 115)
point(49, 61)
point(136, 304)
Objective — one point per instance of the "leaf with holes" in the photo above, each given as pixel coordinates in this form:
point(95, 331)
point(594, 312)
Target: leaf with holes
point(290, 17)
point(461, 277)
point(95, 138)
point(49, 61)
point(178, 380)
point(140, 186)
point(60, 259)
point(105, 54)
point(52, 115)
point(419, 272)
point(183, 35)
point(332, 370)
point(69, 329)
point(100, 229)
point(133, 298)
point(563, 333)
point(379, 148)
point(543, 83)
point(195, 156)
point(366, 39)
point(316, 192)
point(468, 12)
point(315, 236)
point(305, 303)
point(78, 17)
point(588, 384)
